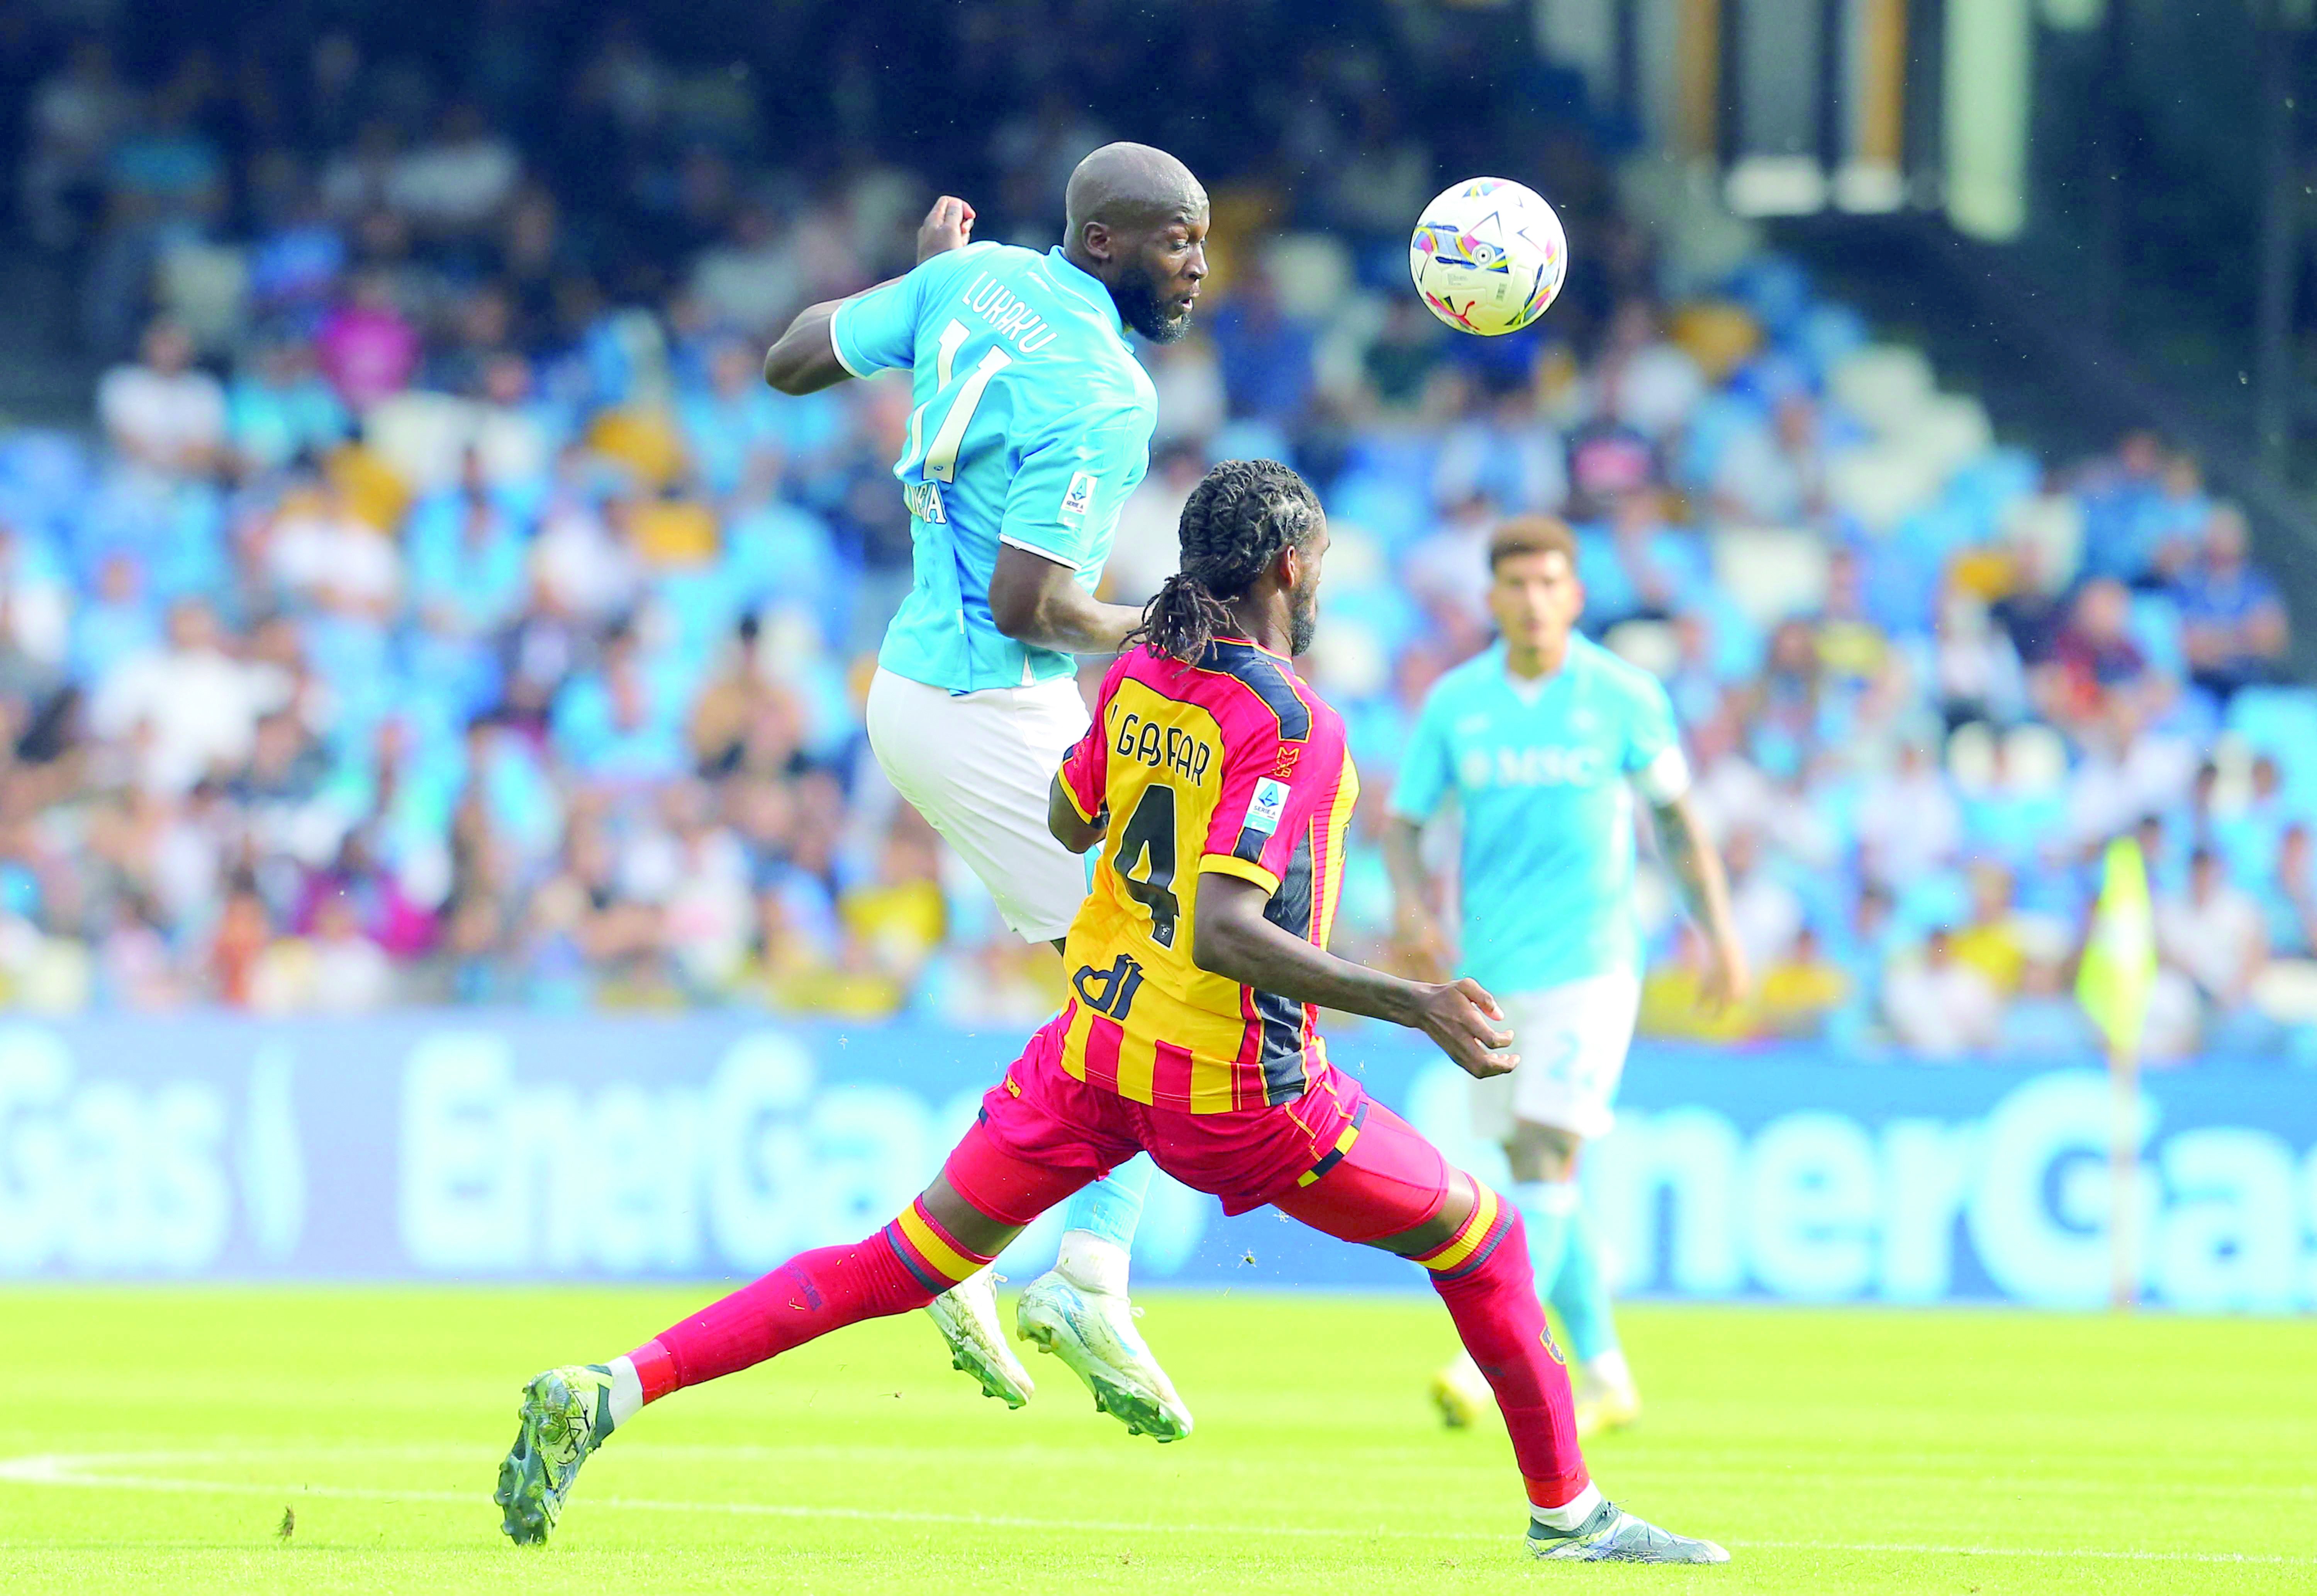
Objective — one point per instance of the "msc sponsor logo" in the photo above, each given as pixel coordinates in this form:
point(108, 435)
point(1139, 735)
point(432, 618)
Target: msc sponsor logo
point(1548, 766)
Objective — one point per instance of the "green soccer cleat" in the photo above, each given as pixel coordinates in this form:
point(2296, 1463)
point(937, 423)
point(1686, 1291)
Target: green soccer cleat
point(1612, 1535)
point(966, 1316)
point(565, 1414)
point(1093, 1333)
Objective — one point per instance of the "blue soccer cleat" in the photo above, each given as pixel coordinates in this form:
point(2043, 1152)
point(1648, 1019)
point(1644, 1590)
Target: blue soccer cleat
point(1612, 1535)
point(1093, 1333)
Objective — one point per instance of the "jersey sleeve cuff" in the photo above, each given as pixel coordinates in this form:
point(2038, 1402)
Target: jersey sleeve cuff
point(1062, 560)
point(836, 338)
point(1071, 793)
point(1231, 864)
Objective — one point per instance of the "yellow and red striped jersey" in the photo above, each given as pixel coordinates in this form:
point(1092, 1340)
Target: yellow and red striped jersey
point(1232, 764)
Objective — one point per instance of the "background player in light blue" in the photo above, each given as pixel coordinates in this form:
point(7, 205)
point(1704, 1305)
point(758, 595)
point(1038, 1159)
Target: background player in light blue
point(1540, 742)
point(1032, 424)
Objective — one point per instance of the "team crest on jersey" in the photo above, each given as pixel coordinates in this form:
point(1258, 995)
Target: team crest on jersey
point(1267, 807)
point(1078, 499)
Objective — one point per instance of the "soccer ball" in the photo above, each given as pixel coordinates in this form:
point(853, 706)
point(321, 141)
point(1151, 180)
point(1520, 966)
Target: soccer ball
point(1487, 256)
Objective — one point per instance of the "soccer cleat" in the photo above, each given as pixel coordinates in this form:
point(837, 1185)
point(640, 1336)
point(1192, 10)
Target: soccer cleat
point(1605, 1404)
point(967, 1317)
point(1609, 1534)
point(1461, 1392)
point(565, 1414)
point(1093, 1333)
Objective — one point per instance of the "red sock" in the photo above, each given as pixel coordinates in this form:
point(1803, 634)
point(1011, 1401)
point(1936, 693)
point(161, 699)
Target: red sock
point(1482, 1273)
point(904, 1266)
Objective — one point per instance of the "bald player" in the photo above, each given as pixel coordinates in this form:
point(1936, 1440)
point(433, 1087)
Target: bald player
point(1032, 424)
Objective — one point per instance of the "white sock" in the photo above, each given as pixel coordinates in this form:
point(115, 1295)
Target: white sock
point(1569, 1513)
point(1092, 1263)
point(1609, 1369)
point(627, 1391)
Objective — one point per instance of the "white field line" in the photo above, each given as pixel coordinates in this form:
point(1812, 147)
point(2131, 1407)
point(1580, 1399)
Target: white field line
point(80, 1471)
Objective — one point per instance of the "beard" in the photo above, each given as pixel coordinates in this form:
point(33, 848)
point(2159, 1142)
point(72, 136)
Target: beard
point(1139, 308)
point(1303, 623)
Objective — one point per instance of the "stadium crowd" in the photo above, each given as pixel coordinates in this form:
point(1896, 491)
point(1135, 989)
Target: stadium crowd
point(444, 611)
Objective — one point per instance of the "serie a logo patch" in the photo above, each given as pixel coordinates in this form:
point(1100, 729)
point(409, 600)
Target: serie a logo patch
point(1078, 498)
point(1267, 807)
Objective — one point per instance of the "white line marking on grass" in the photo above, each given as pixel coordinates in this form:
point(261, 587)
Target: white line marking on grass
point(2113, 1554)
point(81, 1470)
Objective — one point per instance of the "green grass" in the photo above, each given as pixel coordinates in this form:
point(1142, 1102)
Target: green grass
point(1832, 1451)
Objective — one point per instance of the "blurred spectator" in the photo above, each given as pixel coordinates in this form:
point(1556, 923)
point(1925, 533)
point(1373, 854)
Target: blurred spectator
point(2232, 620)
point(1993, 942)
point(367, 348)
point(1800, 989)
point(1908, 821)
point(1609, 458)
point(187, 705)
point(1939, 1007)
point(279, 409)
point(164, 414)
point(2288, 896)
point(2213, 933)
point(2098, 680)
point(1147, 551)
point(1977, 666)
point(1266, 354)
point(2042, 1019)
point(1506, 453)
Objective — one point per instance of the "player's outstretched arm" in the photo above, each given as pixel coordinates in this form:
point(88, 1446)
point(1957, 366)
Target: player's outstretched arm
point(1231, 938)
point(803, 360)
point(1037, 600)
point(1696, 867)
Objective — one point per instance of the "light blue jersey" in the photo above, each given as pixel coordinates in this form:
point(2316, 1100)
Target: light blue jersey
point(1032, 424)
point(1544, 779)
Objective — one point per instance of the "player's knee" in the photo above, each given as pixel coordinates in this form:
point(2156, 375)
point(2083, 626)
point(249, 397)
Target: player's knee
point(973, 1230)
point(1456, 1210)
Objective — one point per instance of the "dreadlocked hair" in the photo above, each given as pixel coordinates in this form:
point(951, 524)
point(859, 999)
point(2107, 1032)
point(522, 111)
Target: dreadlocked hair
point(1234, 524)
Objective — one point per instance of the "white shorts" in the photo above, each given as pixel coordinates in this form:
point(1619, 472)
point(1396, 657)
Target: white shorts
point(1572, 1042)
point(978, 768)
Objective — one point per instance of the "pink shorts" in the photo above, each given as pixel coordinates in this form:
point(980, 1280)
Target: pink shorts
point(1043, 1133)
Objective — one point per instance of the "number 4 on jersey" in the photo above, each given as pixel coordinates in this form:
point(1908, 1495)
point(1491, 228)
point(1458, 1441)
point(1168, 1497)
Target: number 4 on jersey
point(1148, 842)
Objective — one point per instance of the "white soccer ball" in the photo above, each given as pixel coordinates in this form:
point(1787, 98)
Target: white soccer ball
point(1487, 256)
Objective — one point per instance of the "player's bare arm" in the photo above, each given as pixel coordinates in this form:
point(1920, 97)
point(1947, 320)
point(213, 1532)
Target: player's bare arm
point(803, 359)
point(1037, 600)
point(1231, 938)
point(1696, 866)
point(1416, 930)
point(1072, 829)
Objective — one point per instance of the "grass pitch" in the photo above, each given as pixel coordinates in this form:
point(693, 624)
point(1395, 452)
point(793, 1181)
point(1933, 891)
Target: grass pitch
point(260, 1439)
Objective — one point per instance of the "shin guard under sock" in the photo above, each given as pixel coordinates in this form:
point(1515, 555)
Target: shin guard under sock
point(904, 1266)
point(1482, 1274)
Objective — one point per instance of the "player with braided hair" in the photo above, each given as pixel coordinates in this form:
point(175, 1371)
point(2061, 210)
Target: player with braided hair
point(1235, 522)
point(1219, 783)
